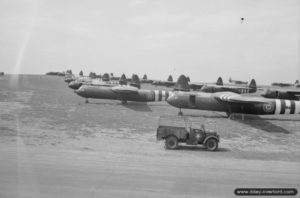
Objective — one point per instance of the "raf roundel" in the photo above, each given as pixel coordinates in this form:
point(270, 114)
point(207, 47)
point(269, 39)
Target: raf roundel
point(268, 108)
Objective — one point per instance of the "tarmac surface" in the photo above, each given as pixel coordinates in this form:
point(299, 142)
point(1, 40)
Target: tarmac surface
point(52, 144)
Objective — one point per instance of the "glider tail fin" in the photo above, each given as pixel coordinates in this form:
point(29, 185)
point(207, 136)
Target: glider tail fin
point(182, 84)
point(219, 81)
point(123, 80)
point(135, 81)
point(252, 85)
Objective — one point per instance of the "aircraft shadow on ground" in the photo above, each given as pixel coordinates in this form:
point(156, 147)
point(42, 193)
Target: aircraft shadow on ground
point(136, 106)
point(200, 148)
point(253, 121)
point(260, 123)
point(215, 115)
point(285, 119)
point(205, 116)
point(158, 105)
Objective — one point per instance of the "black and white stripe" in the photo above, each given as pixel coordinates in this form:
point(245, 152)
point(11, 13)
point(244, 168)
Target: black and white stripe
point(160, 95)
point(228, 96)
point(244, 91)
point(281, 106)
point(287, 107)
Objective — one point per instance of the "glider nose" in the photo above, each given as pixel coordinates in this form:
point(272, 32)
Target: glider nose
point(266, 93)
point(80, 91)
point(72, 85)
point(172, 99)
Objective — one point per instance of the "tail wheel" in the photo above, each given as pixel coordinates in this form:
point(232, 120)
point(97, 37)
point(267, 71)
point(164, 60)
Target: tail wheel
point(180, 112)
point(171, 142)
point(211, 144)
point(228, 114)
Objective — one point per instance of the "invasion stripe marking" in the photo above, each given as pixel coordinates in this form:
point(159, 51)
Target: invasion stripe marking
point(163, 95)
point(159, 95)
point(155, 95)
point(287, 106)
point(278, 106)
point(167, 95)
point(282, 106)
point(292, 107)
point(297, 109)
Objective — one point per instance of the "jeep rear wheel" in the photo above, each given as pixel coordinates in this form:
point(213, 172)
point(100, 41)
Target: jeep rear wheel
point(171, 142)
point(211, 144)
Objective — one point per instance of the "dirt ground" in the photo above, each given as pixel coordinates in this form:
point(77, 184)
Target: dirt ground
point(52, 144)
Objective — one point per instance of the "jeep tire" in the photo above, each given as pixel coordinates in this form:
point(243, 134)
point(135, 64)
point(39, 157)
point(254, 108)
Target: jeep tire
point(171, 142)
point(211, 144)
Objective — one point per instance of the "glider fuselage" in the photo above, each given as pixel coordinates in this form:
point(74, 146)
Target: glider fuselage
point(141, 95)
point(281, 94)
point(208, 101)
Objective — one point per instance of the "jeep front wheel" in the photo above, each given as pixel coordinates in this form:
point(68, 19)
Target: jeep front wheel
point(171, 142)
point(211, 144)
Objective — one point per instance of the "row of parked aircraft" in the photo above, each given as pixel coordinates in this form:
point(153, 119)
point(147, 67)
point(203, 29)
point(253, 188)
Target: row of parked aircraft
point(232, 102)
point(217, 96)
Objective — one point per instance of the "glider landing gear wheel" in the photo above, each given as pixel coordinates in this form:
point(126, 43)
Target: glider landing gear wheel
point(124, 101)
point(86, 101)
point(171, 142)
point(211, 144)
point(228, 114)
point(180, 113)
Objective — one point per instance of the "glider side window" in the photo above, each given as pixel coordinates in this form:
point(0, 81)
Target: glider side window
point(193, 100)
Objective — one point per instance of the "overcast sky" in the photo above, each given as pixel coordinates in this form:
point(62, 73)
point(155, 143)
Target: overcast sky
point(203, 39)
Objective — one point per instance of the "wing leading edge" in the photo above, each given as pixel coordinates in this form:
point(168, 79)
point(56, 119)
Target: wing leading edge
point(237, 98)
point(125, 89)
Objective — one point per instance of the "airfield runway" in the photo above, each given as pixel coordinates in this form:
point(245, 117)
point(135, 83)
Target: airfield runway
point(52, 144)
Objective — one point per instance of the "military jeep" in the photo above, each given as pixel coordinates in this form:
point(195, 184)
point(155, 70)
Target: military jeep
point(181, 130)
